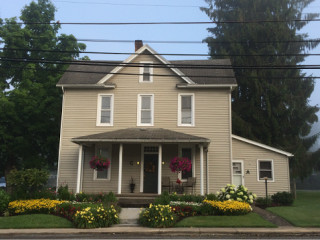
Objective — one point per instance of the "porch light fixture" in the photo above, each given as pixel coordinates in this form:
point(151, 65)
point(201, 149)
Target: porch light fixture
point(138, 163)
point(162, 163)
point(247, 171)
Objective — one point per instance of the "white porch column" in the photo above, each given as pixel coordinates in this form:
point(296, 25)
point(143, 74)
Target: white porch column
point(80, 159)
point(120, 168)
point(159, 169)
point(201, 171)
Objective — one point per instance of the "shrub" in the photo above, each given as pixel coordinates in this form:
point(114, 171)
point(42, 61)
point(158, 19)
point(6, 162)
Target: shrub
point(211, 196)
point(282, 198)
point(157, 216)
point(4, 201)
point(69, 209)
point(64, 194)
point(263, 202)
point(26, 182)
point(32, 206)
point(185, 209)
point(47, 193)
point(106, 198)
point(240, 194)
point(96, 216)
point(229, 207)
point(165, 198)
point(206, 209)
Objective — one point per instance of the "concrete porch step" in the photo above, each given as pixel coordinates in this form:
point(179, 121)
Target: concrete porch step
point(129, 216)
point(135, 200)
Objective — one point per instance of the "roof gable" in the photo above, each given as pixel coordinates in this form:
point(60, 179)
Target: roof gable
point(146, 47)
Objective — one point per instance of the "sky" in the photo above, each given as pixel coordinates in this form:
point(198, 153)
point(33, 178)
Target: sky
point(148, 11)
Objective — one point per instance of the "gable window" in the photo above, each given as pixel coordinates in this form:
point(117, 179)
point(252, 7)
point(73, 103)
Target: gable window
point(145, 110)
point(105, 174)
point(146, 71)
point(265, 169)
point(105, 110)
point(186, 110)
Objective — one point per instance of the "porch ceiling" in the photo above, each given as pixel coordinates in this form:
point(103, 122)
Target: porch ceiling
point(139, 135)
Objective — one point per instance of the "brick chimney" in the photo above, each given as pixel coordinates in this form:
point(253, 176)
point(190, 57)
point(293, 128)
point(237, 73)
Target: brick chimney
point(138, 44)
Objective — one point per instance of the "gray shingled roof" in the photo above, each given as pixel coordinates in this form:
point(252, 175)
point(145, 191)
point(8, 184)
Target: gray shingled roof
point(92, 73)
point(134, 135)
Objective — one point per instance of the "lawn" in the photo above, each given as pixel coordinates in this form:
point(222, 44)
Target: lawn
point(34, 221)
point(249, 220)
point(305, 212)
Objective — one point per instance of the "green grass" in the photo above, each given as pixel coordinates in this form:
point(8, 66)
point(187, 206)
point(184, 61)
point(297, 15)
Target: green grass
point(249, 220)
point(305, 211)
point(34, 221)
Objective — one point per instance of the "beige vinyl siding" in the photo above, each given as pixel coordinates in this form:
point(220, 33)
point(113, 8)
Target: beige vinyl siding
point(212, 116)
point(250, 154)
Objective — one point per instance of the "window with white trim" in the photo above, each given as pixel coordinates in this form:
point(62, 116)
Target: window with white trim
point(145, 110)
point(146, 72)
point(105, 110)
point(265, 169)
point(105, 174)
point(187, 153)
point(186, 110)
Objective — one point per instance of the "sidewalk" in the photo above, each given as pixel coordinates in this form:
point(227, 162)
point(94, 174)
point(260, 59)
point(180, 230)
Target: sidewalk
point(143, 231)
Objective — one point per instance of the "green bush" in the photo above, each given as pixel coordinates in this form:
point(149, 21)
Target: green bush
point(282, 199)
point(109, 198)
point(159, 216)
point(165, 198)
point(4, 201)
point(64, 194)
point(96, 216)
point(211, 196)
point(239, 193)
point(207, 209)
point(25, 183)
point(263, 202)
point(47, 193)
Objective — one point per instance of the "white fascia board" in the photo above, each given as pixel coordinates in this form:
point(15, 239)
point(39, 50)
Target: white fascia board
point(85, 86)
point(79, 141)
point(232, 86)
point(262, 146)
point(138, 52)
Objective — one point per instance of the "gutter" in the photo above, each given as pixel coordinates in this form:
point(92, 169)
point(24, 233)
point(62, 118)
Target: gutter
point(75, 140)
point(87, 86)
point(193, 86)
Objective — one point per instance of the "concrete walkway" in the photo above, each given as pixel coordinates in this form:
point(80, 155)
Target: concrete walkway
point(129, 216)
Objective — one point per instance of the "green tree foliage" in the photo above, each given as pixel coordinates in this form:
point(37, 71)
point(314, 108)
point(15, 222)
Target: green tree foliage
point(269, 105)
point(30, 103)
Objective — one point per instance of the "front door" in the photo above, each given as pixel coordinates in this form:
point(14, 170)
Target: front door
point(237, 173)
point(150, 183)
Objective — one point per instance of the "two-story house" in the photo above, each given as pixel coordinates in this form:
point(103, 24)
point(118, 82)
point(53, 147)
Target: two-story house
point(144, 111)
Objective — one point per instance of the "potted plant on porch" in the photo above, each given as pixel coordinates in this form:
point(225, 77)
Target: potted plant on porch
point(132, 185)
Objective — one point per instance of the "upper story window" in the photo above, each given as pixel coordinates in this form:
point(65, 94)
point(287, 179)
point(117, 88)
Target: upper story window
point(146, 72)
point(105, 110)
point(265, 169)
point(145, 110)
point(186, 109)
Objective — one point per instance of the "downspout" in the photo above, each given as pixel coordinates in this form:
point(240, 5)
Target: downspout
point(207, 172)
point(59, 157)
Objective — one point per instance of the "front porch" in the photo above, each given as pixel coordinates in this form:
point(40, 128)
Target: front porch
point(141, 156)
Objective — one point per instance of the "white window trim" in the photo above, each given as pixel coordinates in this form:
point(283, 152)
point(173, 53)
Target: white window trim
point(258, 170)
point(193, 160)
point(98, 123)
point(139, 110)
point(180, 124)
point(242, 169)
point(141, 72)
point(109, 146)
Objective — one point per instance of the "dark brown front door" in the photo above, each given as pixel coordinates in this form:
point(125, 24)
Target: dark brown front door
point(150, 183)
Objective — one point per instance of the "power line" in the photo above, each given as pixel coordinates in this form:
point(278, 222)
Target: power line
point(164, 23)
point(187, 66)
point(157, 75)
point(162, 54)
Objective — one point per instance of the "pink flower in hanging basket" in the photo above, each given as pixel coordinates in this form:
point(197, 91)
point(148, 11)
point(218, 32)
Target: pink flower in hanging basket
point(180, 164)
point(99, 163)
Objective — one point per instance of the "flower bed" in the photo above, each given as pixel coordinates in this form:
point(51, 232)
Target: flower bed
point(157, 216)
point(33, 206)
point(229, 207)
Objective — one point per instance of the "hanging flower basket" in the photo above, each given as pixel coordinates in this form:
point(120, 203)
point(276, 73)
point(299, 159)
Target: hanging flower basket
point(99, 163)
point(180, 164)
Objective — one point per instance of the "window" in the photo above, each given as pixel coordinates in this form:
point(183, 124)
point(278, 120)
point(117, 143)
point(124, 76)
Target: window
point(187, 152)
point(105, 110)
point(145, 110)
point(265, 169)
point(146, 72)
point(106, 173)
point(186, 110)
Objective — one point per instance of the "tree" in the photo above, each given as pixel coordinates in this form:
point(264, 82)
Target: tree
point(269, 105)
point(30, 103)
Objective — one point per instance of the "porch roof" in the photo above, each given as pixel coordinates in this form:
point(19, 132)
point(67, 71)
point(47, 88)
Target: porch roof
point(139, 135)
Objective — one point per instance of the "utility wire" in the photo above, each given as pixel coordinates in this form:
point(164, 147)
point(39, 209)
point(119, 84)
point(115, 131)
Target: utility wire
point(187, 66)
point(163, 54)
point(164, 23)
point(158, 75)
